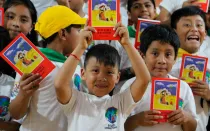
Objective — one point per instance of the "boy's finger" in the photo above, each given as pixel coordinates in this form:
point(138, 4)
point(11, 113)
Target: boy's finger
point(25, 76)
point(174, 113)
point(87, 22)
point(119, 24)
point(152, 112)
point(174, 118)
point(154, 117)
point(88, 28)
point(151, 123)
point(122, 31)
point(117, 32)
point(177, 122)
point(29, 79)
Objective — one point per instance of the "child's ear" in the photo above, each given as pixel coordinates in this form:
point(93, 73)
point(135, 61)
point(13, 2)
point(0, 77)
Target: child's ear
point(129, 15)
point(83, 74)
point(118, 78)
point(142, 54)
point(62, 34)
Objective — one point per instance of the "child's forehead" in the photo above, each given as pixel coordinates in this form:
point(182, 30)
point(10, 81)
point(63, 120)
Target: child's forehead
point(192, 18)
point(158, 45)
point(93, 62)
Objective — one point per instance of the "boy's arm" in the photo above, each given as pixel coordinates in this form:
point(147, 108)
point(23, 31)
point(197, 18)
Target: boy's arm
point(9, 126)
point(66, 72)
point(29, 83)
point(142, 74)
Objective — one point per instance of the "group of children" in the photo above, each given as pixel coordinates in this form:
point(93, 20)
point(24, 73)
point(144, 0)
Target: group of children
point(86, 90)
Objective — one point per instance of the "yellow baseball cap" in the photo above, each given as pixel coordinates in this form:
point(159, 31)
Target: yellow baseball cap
point(56, 18)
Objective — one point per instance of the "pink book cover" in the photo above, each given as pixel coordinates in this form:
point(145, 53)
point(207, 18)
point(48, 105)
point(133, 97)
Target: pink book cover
point(24, 57)
point(1, 16)
point(193, 68)
point(103, 16)
point(165, 96)
point(141, 25)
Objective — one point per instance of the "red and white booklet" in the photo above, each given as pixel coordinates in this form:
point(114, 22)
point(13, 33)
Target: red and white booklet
point(25, 57)
point(103, 16)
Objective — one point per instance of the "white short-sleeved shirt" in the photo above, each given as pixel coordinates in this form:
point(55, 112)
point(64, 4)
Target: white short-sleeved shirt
point(45, 113)
point(172, 5)
point(6, 84)
point(42, 5)
point(87, 112)
point(202, 113)
point(186, 103)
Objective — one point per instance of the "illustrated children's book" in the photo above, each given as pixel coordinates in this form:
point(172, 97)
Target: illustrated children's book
point(204, 5)
point(24, 57)
point(165, 96)
point(193, 68)
point(1, 16)
point(103, 16)
point(141, 25)
point(157, 2)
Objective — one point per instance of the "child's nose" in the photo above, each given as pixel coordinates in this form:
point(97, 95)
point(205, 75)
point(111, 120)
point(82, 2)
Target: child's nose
point(161, 59)
point(16, 23)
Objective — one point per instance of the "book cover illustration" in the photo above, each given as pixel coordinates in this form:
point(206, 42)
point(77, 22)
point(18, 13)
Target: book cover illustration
point(165, 96)
point(103, 16)
point(193, 68)
point(24, 57)
point(1, 16)
point(204, 5)
point(141, 26)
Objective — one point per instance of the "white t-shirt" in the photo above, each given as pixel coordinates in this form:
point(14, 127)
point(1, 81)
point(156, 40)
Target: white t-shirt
point(41, 5)
point(172, 5)
point(87, 112)
point(6, 84)
point(186, 97)
point(202, 113)
point(45, 113)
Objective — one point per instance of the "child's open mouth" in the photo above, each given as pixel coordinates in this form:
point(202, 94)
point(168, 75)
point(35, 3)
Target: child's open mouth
point(193, 37)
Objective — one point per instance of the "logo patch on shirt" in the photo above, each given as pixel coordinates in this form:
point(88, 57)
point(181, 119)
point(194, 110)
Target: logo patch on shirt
point(77, 81)
point(181, 102)
point(111, 116)
point(4, 104)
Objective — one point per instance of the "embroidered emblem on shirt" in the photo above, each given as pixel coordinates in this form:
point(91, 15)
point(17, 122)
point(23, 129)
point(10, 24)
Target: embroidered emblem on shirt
point(181, 102)
point(111, 116)
point(77, 81)
point(4, 104)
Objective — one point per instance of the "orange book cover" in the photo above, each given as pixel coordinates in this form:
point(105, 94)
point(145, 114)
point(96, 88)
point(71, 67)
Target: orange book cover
point(1, 16)
point(25, 57)
point(103, 16)
point(141, 25)
point(204, 5)
point(165, 96)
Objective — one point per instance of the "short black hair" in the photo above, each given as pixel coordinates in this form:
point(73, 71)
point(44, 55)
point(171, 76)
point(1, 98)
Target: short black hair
point(53, 36)
point(130, 3)
point(162, 33)
point(184, 12)
point(32, 36)
point(105, 54)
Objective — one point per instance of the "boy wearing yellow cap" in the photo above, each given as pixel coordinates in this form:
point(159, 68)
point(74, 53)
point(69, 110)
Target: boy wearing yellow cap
point(59, 26)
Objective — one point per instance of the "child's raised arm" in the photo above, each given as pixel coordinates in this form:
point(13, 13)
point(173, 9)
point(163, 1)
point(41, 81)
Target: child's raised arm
point(142, 74)
point(66, 72)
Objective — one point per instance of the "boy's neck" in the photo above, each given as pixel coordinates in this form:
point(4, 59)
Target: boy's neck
point(56, 47)
point(81, 13)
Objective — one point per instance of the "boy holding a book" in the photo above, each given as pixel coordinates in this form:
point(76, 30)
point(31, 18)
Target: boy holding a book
point(59, 26)
point(159, 51)
point(189, 23)
point(100, 73)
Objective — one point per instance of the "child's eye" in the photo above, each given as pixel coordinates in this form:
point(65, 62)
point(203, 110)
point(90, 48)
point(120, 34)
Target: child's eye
point(168, 54)
point(148, 5)
point(155, 53)
point(187, 25)
point(110, 72)
point(9, 17)
point(137, 6)
point(94, 71)
point(24, 20)
point(199, 25)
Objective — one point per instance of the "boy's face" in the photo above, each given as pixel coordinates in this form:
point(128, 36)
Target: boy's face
point(142, 9)
point(100, 79)
point(159, 58)
point(72, 38)
point(191, 32)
